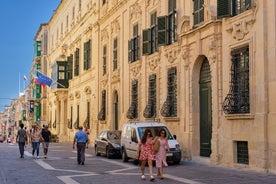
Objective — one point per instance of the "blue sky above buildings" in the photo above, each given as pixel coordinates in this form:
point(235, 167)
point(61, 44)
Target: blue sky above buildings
point(20, 21)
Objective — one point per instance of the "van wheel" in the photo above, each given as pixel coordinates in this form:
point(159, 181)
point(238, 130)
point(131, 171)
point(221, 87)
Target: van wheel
point(124, 156)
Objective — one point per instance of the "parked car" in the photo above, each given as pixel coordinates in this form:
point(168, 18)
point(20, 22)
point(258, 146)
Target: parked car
point(108, 143)
point(132, 133)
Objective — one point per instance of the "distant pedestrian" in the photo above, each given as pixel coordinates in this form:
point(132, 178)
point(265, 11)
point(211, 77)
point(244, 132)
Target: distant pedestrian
point(36, 137)
point(160, 156)
point(46, 134)
point(146, 153)
point(21, 138)
point(81, 139)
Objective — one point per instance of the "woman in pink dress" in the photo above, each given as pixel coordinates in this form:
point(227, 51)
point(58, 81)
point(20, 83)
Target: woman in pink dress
point(160, 156)
point(146, 153)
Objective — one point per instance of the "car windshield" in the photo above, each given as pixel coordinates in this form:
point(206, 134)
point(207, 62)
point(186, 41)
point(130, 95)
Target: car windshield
point(114, 135)
point(155, 131)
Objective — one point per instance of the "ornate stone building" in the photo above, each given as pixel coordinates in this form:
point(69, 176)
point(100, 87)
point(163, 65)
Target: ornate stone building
point(204, 68)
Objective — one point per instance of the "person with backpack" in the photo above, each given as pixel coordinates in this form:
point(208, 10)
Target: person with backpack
point(21, 138)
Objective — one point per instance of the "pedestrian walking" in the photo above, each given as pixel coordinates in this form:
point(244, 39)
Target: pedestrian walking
point(160, 156)
point(146, 153)
point(21, 138)
point(46, 134)
point(36, 138)
point(81, 139)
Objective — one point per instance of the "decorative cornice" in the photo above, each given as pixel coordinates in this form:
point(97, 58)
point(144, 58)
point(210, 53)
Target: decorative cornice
point(104, 35)
point(135, 69)
point(115, 26)
point(87, 90)
point(135, 11)
point(171, 54)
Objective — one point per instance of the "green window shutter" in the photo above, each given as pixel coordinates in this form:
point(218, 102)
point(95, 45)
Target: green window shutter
point(247, 4)
point(88, 54)
point(130, 50)
point(162, 30)
point(223, 8)
point(85, 56)
point(146, 43)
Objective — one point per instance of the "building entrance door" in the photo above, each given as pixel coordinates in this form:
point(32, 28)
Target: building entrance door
point(205, 109)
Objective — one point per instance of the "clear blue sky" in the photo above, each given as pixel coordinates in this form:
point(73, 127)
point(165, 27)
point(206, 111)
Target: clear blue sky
point(19, 23)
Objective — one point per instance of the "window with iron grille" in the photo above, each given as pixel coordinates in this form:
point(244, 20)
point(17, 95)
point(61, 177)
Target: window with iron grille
point(242, 152)
point(71, 118)
point(70, 67)
point(198, 11)
point(237, 100)
point(132, 112)
point(104, 60)
point(133, 45)
point(77, 62)
point(169, 108)
point(227, 8)
point(102, 113)
point(150, 110)
point(86, 123)
point(86, 55)
point(115, 54)
point(77, 123)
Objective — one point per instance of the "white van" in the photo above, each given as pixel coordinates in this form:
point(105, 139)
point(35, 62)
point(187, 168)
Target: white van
point(132, 133)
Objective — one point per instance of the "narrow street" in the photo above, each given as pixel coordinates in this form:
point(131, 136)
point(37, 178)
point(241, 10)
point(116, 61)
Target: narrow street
point(61, 167)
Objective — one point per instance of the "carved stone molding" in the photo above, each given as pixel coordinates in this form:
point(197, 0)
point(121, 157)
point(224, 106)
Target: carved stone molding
point(171, 54)
point(153, 64)
point(104, 82)
point(135, 70)
point(115, 76)
point(88, 31)
point(151, 2)
point(135, 11)
point(77, 94)
point(212, 49)
point(185, 55)
point(115, 26)
point(240, 28)
point(71, 97)
point(104, 35)
point(87, 90)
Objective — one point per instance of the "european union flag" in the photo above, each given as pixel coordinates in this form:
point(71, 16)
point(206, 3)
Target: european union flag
point(43, 79)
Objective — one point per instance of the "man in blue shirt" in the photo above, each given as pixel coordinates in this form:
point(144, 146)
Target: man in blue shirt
point(81, 138)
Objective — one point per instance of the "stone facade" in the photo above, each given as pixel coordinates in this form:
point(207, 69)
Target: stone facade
point(211, 78)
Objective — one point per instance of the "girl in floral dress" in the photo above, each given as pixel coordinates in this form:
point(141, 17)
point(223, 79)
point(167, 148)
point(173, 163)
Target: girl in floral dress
point(161, 154)
point(146, 153)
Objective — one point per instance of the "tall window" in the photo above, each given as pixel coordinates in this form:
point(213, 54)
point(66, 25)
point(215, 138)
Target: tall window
point(133, 45)
point(132, 112)
point(102, 113)
point(226, 8)
point(149, 36)
point(77, 62)
point(166, 29)
point(86, 55)
point(237, 100)
point(104, 60)
point(198, 11)
point(115, 54)
point(150, 110)
point(70, 67)
point(169, 108)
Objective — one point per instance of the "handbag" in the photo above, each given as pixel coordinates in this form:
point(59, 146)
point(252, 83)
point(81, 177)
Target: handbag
point(156, 146)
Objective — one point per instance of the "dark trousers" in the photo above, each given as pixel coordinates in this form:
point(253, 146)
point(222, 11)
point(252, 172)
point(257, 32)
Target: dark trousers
point(21, 148)
point(81, 152)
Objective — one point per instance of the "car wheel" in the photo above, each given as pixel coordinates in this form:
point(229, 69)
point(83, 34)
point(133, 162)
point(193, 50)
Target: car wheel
point(96, 151)
point(124, 156)
point(107, 152)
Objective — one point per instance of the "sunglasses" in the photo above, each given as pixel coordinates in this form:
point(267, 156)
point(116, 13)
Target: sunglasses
point(162, 132)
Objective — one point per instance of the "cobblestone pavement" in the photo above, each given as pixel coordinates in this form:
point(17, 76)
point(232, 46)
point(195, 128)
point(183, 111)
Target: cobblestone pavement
point(61, 167)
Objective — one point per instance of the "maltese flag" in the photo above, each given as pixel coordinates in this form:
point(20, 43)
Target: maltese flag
point(25, 78)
